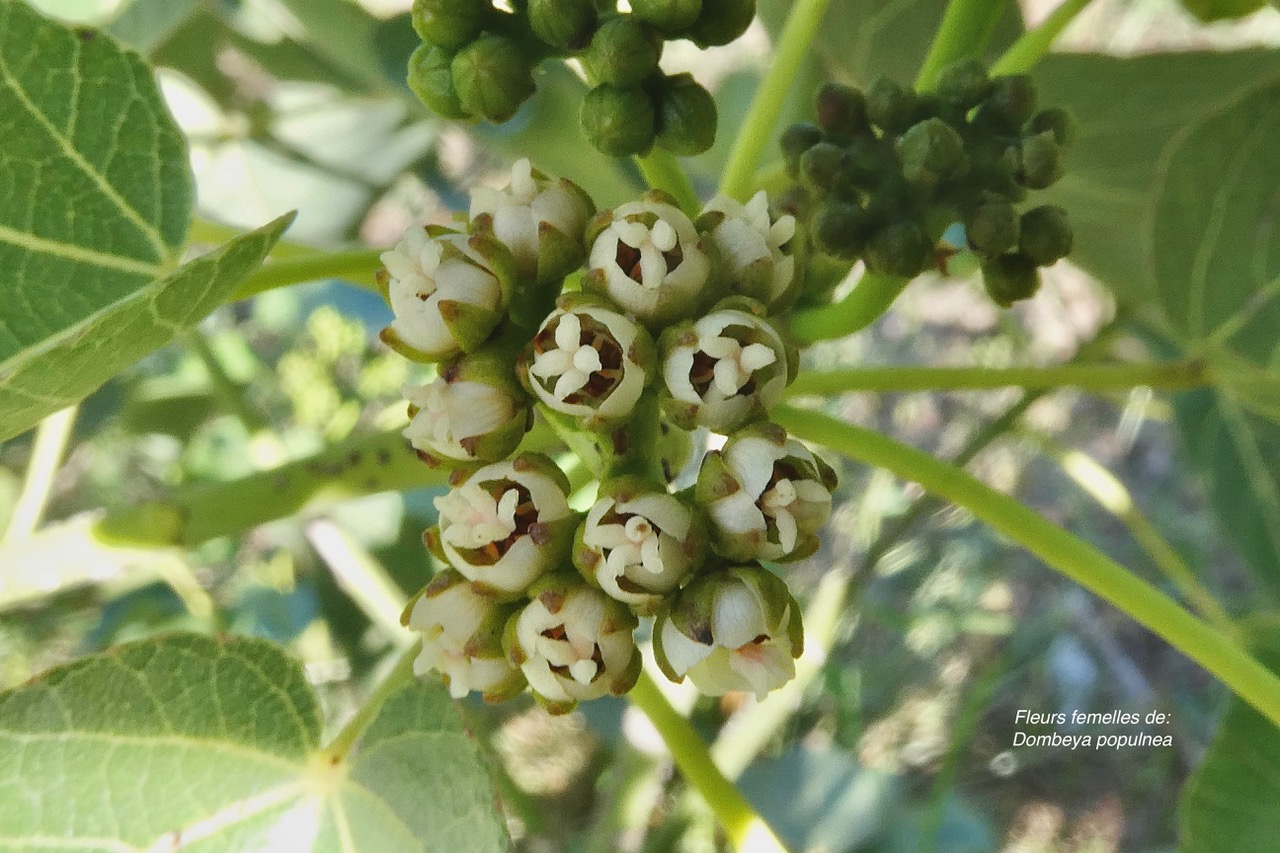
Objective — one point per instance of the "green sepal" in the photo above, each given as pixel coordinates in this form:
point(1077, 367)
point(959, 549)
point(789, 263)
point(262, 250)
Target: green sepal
point(777, 598)
point(668, 16)
point(1055, 121)
point(431, 541)
point(558, 254)
point(449, 23)
point(618, 121)
point(389, 337)
point(507, 689)
point(628, 677)
point(431, 79)
point(624, 52)
point(720, 22)
point(469, 325)
point(687, 116)
point(931, 152)
point(566, 25)
point(493, 76)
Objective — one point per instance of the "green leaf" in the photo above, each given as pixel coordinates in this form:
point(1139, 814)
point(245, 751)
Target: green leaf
point(214, 745)
point(144, 24)
point(1222, 10)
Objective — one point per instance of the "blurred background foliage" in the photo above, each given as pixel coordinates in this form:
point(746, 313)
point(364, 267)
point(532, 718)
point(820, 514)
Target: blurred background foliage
point(900, 738)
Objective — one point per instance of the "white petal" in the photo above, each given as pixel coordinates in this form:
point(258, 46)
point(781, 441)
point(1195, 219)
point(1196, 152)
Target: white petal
point(653, 267)
point(681, 652)
point(751, 460)
point(551, 363)
point(787, 533)
point(737, 616)
point(583, 670)
point(737, 513)
point(663, 236)
point(763, 666)
point(756, 356)
point(569, 333)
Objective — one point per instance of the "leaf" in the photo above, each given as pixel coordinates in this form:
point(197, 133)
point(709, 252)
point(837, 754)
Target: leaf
point(1222, 10)
point(144, 24)
point(213, 745)
point(60, 368)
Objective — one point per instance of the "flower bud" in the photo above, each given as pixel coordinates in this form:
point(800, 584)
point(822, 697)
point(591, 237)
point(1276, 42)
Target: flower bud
point(723, 370)
point(900, 248)
point(474, 411)
point(757, 249)
point(931, 152)
point(647, 258)
point(686, 116)
point(841, 229)
point(820, 165)
point(797, 139)
point(447, 290)
point(1010, 105)
point(449, 23)
point(1010, 278)
point(842, 111)
point(623, 52)
point(766, 495)
point(1046, 235)
point(889, 106)
point(461, 631)
point(638, 543)
point(964, 84)
point(1057, 122)
point(506, 524)
point(563, 24)
point(589, 362)
point(539, 219)
point(1041, 161)
point(493, 77)
point(720, 22)
point(572, 642)
point(669, 16)
point(431, 80)
point(618, 121)
point(734, 629)
point(992, 227)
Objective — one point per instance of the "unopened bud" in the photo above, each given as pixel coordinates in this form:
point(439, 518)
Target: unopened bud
point(493, 76)
point(619, 121)
point(686, 116)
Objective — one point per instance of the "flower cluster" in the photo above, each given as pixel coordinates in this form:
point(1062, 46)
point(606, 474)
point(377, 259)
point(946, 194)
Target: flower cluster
point(668, 327)
point(884, 174)
point(477, 61)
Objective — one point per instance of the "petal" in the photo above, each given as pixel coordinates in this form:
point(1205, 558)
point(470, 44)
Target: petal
point(653, 267)
point(737, 617)
point(583, 671)
point(756, 356)
point(719, 347)
point(787, 533)
point(663, 236)
point(751, 460)
point(570, 381)
point(551, 363)
point(682, 653)
point(764, 666)
point(569, 333)
point(728, 377)
point(737, 513)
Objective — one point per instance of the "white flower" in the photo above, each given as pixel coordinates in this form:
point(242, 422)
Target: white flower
point(589, 362)
point(572, 642)
point(766, 495)
point(462, 638)
point(648, 260)
point(751, 245)
point(737, 629)
point(532, 202)
point(638, 544)
point(506, 524)
point(450, 413)
point(728, 368)
point(445, 293)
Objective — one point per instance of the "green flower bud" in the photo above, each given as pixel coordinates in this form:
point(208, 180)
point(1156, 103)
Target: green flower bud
point(638, 543)
point(1041, 161)
point(890, 107)
point(589, 362)
point(723, 370)
point(506, 524)
point(686, 116)
point(1009, 278)
point(431, 80)
point(841, 229)
point(797, 139)
point(648, 259)
point(461, 631)
point(867, 160)
point(842, 111)
point(541, 220)
point(964, 84)
point(669, 16)
point(563, 24)
point(1012, 101)
point(493, 77)
point(618, 121)
point(992, 227)
point(474, 411)
point(820, 165)
point(448, 291)
point(623, 52)
point(720, 22)
point(573, 642)
point(931, 152)
point(765, 495)
point(734, 629)
point(756, 249)
point(1057, 122)
point(1046, 235)
point(901, 248)
point(449, 23)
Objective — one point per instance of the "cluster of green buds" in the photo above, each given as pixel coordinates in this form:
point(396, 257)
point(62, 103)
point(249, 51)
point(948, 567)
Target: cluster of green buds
point(477, 61)
point(904, 180)
point(625, 331)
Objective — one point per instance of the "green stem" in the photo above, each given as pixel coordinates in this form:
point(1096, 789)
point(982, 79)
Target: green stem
point(869, 299)
point(228, 390)
point(356, 266)
point(46, 455)
point(746, 830)
point(663, 171)
point(400, 675)
point(360, 575)
point(757, 128)
point(215, 234)
point(966, 26)
point(1071, 556)
point(1028, 50)
point(1172, 375)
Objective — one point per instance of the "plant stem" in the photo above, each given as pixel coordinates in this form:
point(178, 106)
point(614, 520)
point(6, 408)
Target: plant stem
point(1172, 375)
point(869, 299)
point(360, 576)
point(46, 455)
point(663, 171)
point(355, 265)
point(215, 234)
point(966, 26)
point(746, 830)
point(399, 675)
point(1028, 50)
point(1068, 554)
point(757, 127)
